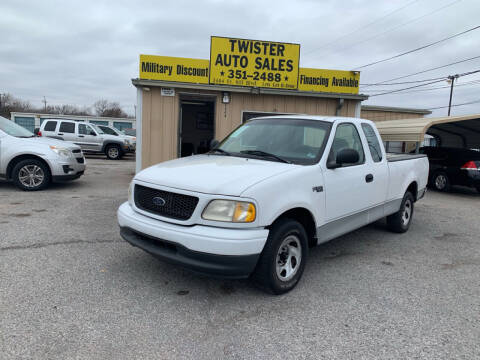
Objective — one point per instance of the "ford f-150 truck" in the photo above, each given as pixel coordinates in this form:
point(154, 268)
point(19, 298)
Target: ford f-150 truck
point(272, 189)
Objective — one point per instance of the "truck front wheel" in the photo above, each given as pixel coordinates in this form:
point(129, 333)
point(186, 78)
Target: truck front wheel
point(283, 259)
point(400, 221)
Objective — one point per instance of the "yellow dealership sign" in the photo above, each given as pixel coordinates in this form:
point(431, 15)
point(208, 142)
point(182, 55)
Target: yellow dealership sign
point(241, 62)
point(177, 69)
point(334, 81)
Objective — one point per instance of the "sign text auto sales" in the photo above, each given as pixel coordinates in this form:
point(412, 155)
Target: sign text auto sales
point(254, 63)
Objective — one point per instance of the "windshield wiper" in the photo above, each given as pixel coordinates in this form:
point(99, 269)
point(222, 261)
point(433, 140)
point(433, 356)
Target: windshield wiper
point(264, 154)
point(220, 151)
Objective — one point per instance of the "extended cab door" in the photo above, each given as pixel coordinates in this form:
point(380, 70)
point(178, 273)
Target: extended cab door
point(347, 188)
point(377, 162)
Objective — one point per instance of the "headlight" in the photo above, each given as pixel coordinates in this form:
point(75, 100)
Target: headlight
point(61, 151)
point(231, 211)
point(130, 194)
point(127, 141)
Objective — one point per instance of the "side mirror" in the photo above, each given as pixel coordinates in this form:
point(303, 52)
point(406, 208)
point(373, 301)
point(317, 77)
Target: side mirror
point(344, 156)
point(214, 143)
point(92, 133)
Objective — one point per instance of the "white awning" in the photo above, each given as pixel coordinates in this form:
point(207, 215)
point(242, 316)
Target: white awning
point(456, 131)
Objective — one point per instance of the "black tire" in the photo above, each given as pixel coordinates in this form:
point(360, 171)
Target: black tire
point(114, 152)
point(21, 175)
point(401, 220)
point(291, 235)
point(440, 181)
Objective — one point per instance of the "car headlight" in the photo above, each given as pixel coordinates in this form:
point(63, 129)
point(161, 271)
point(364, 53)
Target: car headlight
point(130, 194)
point(231, 211)
point(127, 141)
point(61, 151)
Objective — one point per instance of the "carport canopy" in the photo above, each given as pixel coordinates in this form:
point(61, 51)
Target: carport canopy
point(452, 131)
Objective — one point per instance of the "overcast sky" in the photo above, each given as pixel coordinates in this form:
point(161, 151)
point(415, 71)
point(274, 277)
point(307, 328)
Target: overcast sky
point(76, 52)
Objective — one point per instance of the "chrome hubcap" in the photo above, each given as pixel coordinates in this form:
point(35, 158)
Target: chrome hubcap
point(31, 176)
point(289, 257)
point(440, 182)
point(407, 213)
point(113, 152)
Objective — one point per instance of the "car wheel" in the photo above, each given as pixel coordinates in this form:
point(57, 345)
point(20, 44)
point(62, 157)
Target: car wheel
point(401, 220)
point(440, 181)
point(31, 175)
point(283, 259)
point(113, 152)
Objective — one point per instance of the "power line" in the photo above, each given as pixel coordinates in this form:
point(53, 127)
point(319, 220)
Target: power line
point(362, 27)
point(406, 82)
point(423, 71)
point(400, 25)
point(470, 83)
point(418, 49)
point(443, 107)
point(411, 87)
point(451, 77)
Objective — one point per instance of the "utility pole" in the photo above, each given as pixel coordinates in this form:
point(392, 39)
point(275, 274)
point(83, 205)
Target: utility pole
point(45, 103)
point(452, 81)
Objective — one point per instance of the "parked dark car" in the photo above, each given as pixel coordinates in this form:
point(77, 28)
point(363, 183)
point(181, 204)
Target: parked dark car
point(452, 166)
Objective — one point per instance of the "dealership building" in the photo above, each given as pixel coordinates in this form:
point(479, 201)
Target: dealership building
point(182, 103)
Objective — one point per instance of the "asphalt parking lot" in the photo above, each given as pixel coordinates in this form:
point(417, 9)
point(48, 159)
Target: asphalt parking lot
point(71, 288)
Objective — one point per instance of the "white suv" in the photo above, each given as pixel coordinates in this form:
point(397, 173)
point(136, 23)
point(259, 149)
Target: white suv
point(31, 162)
point(88, 136)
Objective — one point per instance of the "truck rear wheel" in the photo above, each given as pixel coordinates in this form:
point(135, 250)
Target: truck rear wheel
point(283, 259)
point(400, 221)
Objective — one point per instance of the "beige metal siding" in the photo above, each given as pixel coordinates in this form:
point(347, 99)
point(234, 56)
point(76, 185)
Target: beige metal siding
point(160, 116)
point(379, 115)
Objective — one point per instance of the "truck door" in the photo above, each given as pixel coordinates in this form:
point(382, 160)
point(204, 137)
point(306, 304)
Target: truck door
point(377, 161)
point(347, 188)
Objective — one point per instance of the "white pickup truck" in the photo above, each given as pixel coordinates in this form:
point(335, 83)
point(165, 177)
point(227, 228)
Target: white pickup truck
point(272, 189)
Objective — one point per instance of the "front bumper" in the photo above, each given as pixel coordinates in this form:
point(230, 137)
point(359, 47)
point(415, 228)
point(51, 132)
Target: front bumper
point(231, 253)
point(67, 169)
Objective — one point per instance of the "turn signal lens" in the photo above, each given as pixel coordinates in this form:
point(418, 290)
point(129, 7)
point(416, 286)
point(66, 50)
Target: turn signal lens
point(244, 212)
point(230, 211)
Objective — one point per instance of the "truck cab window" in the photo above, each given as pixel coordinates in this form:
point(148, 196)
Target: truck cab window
point(373, 143)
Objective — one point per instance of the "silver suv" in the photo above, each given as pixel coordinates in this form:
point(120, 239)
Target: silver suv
point(88, 136)
point(31, 162)
point(130, 140)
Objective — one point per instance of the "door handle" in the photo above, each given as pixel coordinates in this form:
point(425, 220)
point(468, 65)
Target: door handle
point(60, 133)
point(369, 178)
point(81, 135)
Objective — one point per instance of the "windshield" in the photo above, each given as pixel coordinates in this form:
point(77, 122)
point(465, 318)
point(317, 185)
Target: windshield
point(130, 132)
point(10, 128)
point(108, 130)
point(96, 128)
point(293, 140)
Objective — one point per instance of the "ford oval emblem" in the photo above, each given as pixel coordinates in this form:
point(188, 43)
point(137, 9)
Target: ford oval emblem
point(158, 201)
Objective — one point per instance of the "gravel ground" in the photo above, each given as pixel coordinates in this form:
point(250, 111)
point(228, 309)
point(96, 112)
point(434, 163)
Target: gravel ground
point(71, 288)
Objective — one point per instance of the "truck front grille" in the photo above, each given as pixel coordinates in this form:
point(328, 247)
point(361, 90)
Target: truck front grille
point(164, 203)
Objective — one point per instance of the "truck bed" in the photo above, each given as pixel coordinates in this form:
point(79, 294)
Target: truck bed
point(392, 157)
